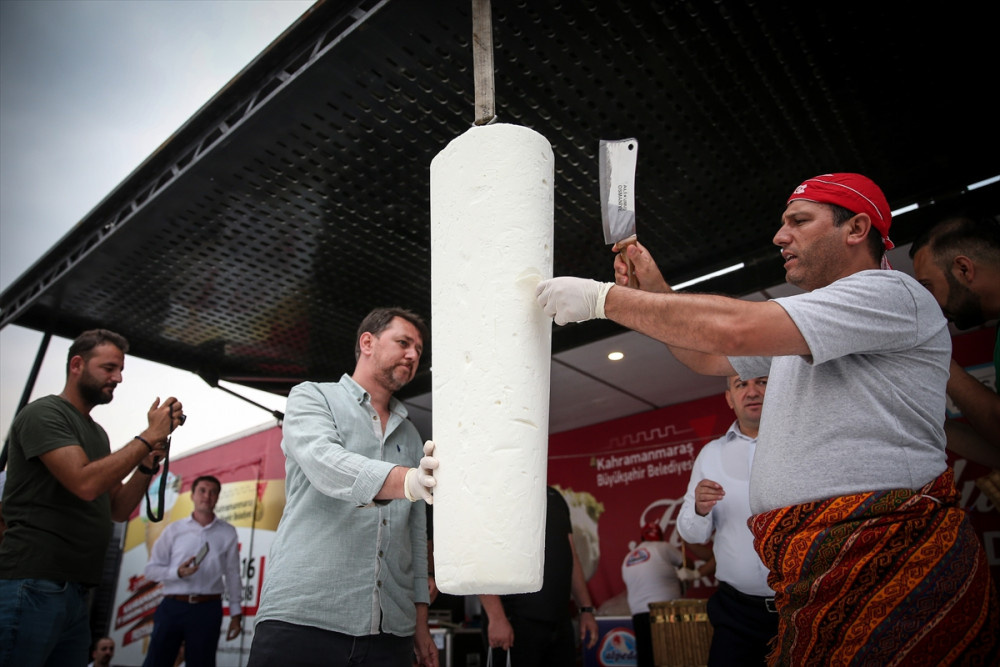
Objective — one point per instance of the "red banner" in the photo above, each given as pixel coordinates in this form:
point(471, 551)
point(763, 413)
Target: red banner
point(619, 475)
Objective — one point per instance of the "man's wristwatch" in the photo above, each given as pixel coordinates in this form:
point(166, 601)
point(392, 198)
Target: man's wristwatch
point(586, 610)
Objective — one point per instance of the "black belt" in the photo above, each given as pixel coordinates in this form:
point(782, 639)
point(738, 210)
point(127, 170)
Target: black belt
point(757, 600)
point(195, 599)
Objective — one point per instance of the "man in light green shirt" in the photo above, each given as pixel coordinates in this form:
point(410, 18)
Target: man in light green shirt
point(347, 572)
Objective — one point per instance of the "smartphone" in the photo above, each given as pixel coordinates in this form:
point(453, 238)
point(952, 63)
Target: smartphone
point(200, 556)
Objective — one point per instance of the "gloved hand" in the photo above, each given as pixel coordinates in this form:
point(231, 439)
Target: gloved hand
point(572, 299)
point(419, 482)
point(688, 574)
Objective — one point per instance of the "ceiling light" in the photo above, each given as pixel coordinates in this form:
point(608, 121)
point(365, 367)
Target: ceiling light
point(720, 272)
point(616, 356)
point(981, 184)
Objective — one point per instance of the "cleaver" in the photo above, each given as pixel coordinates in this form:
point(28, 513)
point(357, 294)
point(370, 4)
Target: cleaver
point(617, 160)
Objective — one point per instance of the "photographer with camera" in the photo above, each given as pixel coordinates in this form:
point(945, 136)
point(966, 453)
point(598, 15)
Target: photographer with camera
point(64, 488)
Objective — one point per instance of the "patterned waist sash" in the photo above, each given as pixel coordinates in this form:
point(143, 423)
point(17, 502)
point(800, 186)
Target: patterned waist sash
point(885, 578)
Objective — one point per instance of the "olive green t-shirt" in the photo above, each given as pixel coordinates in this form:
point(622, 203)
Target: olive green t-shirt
point(52, 533)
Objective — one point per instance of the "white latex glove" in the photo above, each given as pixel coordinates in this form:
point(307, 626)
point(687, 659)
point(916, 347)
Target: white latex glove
point(419, 482)
point(572, 299)
point(688, 574)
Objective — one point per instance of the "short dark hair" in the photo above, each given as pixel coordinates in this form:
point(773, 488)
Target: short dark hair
point(206, 478)
point(98, 640)
point(978, 238)
point(86, 342)
point(874, 239)
point(379, 320)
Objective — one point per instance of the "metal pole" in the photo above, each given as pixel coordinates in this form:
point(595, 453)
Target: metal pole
point(28, 388)
point(482, 61)
point(277, 414)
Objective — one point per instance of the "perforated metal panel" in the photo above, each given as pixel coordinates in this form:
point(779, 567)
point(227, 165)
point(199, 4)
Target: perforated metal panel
point(251, 244)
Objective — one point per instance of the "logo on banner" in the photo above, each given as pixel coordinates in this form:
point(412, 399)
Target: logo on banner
point(617, 648)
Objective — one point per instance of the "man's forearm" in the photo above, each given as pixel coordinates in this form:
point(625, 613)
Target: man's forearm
point(707, 324)
point(965, 442)
point(979, 405)
point(88, 479)
point(125, 499)
point(492, 606)
point(392, 488)
point(702, 362)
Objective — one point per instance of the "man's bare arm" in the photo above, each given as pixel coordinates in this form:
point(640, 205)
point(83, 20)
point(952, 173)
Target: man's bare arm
point(88, 479)
point(651, 280)
point(979, 405)
point(706, 323)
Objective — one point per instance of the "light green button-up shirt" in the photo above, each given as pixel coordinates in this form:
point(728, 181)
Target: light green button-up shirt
point(341, 561)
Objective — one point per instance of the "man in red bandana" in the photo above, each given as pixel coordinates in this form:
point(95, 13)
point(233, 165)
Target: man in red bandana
point(856, 515)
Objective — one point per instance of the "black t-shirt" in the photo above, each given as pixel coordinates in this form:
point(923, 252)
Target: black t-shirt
point(551, 603)
point(52, 533)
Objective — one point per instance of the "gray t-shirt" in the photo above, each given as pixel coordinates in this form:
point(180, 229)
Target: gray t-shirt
point(865, 411)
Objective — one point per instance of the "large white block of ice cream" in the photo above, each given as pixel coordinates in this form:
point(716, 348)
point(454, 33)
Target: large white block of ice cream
point(491, 243)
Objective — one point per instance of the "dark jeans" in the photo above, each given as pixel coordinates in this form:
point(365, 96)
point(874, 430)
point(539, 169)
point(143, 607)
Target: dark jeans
point(280, 643)
point(197, 625)
point(643, 640)
point(44, 622)
point(741, 629)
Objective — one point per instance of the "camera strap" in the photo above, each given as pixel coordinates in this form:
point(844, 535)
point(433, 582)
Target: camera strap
point(164, 469)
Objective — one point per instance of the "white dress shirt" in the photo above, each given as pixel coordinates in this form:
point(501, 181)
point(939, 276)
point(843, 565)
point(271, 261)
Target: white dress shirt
point(726, 460)
point(183, 539)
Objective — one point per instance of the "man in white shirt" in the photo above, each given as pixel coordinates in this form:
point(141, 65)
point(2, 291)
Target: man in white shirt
point(717, 503)
point(191, 559)
point(650, 575)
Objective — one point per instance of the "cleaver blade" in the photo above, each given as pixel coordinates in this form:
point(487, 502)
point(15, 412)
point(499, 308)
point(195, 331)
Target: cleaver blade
point(617, 160)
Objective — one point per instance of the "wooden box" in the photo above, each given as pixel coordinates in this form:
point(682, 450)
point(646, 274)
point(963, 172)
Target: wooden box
point(681, 633)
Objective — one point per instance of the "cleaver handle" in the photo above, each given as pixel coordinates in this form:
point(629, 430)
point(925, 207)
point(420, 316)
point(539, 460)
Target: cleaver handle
point(622, 247)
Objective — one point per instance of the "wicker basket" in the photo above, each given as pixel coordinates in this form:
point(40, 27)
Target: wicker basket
point(681, 633)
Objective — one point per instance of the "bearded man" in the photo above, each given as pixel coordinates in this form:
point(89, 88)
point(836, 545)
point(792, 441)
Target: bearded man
point(958, 261)
point(64, 488)
point(346, 582)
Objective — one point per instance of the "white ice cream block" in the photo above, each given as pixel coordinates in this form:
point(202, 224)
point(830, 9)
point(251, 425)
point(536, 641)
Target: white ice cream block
point(491, 243)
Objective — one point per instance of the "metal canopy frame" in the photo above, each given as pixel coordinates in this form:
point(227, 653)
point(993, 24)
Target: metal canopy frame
point(251, 243)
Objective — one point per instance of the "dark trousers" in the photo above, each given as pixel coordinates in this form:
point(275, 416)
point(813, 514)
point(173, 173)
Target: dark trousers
point(643, 640)
point(742, 627)
point(289, 645)
point(536, 644)
point(197, 625)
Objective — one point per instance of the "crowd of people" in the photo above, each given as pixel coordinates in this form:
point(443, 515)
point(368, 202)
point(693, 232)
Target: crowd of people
point(833, 515)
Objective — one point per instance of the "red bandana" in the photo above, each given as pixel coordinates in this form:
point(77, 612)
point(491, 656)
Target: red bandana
point(854, 192)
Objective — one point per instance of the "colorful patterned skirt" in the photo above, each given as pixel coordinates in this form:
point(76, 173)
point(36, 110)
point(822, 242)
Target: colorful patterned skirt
point(886, 578)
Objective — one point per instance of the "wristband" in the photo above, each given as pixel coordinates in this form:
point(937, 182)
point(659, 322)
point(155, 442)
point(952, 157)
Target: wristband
point(144, 441)
point(406, 485)
point(586, 610)
point(149, 471)
point(602, 295)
